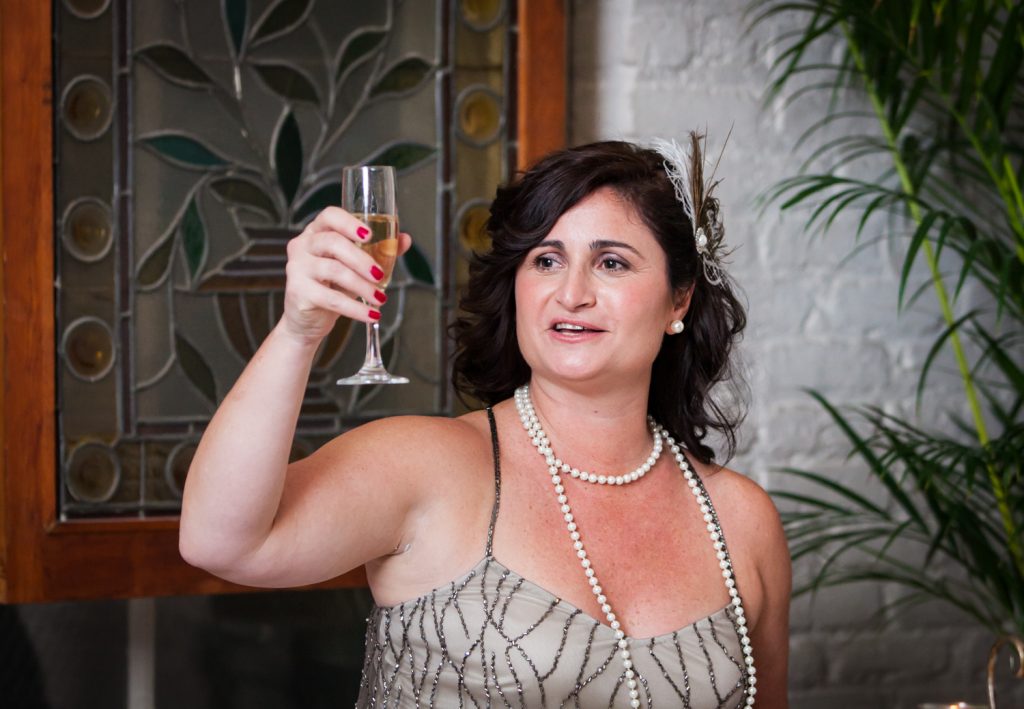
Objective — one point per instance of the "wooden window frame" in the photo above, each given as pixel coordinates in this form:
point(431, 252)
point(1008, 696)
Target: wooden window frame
point(41, 557)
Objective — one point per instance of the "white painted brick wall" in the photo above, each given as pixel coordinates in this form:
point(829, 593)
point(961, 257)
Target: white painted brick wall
point(643, 68)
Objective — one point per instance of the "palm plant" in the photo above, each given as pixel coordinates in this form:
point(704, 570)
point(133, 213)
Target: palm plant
point(939, 89)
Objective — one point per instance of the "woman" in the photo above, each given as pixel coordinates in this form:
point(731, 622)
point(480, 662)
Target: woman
point(605, 580)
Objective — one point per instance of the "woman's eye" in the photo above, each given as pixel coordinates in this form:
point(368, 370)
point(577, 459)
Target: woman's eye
point(612, 264)
point(544, 262)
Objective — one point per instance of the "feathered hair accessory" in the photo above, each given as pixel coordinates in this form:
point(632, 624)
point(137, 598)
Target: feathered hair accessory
point(685, 169)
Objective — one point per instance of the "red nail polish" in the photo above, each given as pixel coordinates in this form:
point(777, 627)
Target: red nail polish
point(376, 272)
point(375, 314)
point(379, 295)
point(363, 232)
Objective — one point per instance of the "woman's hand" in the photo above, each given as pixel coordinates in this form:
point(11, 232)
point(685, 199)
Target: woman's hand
point(327, 274)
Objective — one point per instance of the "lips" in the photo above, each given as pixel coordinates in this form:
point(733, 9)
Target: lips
point(573, 327)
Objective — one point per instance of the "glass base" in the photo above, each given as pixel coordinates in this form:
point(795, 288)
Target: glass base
point(368, 375)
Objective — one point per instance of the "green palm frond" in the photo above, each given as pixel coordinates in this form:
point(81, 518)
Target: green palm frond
point(943, 84)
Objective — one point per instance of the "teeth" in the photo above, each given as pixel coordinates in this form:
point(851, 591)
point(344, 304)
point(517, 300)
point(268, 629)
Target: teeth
point(567, 326)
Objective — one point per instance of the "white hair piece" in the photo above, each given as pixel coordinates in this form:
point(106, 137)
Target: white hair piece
point(678, 160)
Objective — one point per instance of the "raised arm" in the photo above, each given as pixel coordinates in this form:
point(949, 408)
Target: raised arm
point(240, 475)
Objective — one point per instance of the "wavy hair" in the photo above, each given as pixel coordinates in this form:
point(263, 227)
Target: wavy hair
point(488, 365)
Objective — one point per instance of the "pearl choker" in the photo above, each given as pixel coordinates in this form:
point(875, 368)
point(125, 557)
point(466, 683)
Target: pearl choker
point(528, 416)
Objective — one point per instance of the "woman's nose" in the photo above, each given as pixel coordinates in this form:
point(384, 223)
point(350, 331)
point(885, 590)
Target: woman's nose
point(576, 289)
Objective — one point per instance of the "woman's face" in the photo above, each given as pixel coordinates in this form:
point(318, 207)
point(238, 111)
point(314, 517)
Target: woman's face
point(593, 299)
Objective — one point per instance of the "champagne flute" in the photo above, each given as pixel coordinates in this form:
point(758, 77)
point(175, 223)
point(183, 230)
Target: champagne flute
point(368, 193)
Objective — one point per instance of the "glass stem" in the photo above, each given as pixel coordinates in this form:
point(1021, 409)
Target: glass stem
point(373, 359)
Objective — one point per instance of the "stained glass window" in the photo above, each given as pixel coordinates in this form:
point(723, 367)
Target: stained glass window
point(193, 139)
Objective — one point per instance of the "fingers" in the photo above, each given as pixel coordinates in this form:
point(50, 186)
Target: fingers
point(404, 242)
point(338, 220)
point(332, 273)
point(329, 245)
point(316, 297)
point(328, 273)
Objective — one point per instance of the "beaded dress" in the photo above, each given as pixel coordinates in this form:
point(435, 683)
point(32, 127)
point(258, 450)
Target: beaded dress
point(492, 638)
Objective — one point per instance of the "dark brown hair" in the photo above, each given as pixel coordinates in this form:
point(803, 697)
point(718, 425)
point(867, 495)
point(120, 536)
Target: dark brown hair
point(488, 365)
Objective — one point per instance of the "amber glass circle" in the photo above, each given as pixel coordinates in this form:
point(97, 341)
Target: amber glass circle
point(479, 116)
point(86, 108)
point(87, 229)
point(86, 9)
point(89, 348)
point(178, 462)
point(93, 473)
point(472, 228)
point(481, 14)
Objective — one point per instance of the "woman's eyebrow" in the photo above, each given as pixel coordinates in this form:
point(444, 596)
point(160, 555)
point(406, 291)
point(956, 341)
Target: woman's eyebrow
point(594, 245)
point(551, 244)
point(608, 244)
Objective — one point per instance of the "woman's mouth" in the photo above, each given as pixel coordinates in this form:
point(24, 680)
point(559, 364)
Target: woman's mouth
point(574, 328)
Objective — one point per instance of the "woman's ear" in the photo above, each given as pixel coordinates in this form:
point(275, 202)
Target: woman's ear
point(681, 301)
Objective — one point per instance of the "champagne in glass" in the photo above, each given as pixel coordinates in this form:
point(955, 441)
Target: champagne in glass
point(383, 242)
point(368, 192)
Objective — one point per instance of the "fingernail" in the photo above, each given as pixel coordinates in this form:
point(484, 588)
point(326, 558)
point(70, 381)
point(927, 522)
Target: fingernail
point(363, 232)
point(379, 295)
point(376, 272)
point(375, 314)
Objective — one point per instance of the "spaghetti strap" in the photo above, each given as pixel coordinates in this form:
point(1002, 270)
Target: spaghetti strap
point(497, 482)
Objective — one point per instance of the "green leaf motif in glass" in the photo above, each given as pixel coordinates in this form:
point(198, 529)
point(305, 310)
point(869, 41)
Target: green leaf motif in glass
point(245, 193)
point(288, 157)
point(403, 156)
point(193, 238)
point(184, 151)
point(283, 17)
point(403, 76)
point(326, 196)
point(236, 12)
point(359, 48)
point(417, 265)
point(288, 82)
point(175, 66)
point(153, 267)
point(195, 367)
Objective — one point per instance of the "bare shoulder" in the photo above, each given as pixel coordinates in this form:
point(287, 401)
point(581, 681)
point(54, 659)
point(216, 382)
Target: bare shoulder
point(732, 491)
point(403, 446)
point(749, 518)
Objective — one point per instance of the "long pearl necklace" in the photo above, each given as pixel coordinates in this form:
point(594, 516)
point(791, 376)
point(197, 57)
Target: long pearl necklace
point(531, 422)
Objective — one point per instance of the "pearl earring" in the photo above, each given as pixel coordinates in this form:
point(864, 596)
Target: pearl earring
point(677, 326)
